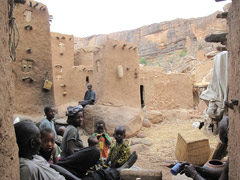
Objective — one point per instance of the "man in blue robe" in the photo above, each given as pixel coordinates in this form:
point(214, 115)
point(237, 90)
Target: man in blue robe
point(89, 97)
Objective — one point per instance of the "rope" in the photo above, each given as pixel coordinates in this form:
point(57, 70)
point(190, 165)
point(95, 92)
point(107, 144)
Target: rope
point(13, 29)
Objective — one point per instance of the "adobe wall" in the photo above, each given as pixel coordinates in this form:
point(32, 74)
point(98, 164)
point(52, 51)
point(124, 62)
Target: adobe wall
point(69, 77)
point(9, 161)
point(34, 60)
point(202, 72)
point(110, 88)
point(234, 87)
point(84, 56)
point(165, 91)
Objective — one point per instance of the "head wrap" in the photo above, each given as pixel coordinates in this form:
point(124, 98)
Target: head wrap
point(72, 110)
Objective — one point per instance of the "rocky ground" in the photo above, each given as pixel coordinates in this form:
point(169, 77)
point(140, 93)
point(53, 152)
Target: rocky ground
point(157, 149)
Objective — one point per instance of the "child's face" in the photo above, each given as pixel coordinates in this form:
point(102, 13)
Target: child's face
point(48, 141)
point(119, 135)
point(78, 119)
point(51, 113)
point(100, 128)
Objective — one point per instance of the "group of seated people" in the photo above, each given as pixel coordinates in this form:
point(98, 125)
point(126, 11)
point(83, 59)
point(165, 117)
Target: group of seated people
point(44, 156)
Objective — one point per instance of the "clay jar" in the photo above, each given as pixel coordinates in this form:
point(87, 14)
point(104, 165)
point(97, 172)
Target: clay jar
point(214, 164)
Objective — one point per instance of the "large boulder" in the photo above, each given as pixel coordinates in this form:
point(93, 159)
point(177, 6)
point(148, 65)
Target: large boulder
point(129, 117)
point(139, 148)
point(176, 114)
point(141, 141)
point(154, 116)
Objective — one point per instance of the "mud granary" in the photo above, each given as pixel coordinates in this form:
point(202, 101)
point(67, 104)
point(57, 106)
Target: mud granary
point(33, 66)
point(112, 69)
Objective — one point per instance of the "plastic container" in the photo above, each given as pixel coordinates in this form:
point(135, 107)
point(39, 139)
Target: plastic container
point(176, 169)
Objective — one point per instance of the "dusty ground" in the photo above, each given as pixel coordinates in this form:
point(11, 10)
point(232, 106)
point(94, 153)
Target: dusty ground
point(162, 151)
point(163, 136)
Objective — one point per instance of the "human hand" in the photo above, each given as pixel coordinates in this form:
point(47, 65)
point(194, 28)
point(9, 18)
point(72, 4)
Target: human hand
point(99, 135)
point(182, 166)
point(190, 171)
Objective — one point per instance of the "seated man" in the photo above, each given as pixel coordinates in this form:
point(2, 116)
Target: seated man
point(200, 173)
point(33, 166)
point(89, 97)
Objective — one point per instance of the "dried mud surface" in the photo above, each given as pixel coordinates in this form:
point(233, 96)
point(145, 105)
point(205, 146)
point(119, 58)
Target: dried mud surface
point(164, 137)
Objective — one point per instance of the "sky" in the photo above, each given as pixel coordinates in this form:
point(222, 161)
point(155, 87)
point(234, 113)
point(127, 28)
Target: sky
point(84, 18)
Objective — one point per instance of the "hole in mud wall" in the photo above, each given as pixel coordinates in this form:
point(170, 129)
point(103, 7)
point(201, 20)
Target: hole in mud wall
point(27, 65)
point(87, 79)
point(142, 95)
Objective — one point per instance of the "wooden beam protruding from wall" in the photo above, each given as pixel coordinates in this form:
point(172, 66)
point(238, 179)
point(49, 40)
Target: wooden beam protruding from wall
point(216, 38)
point(222, 15)
point(124, 45)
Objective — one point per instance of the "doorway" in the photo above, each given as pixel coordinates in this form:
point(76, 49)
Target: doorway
point(87, 80)
point(142, 95)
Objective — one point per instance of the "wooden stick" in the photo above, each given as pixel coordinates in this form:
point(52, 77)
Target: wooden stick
point(222, 15)
point(132, 174)
point(219, 152)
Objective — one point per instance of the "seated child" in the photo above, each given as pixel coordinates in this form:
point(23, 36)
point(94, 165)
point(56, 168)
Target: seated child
point(103, 139)
point(92, 141)
point(33, 166)
point(120, 152)
point(49, 150)
point(49, 122)
point(61, 130)
point(71, 141)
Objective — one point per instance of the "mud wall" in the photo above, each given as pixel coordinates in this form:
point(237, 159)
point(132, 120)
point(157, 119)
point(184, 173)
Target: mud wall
point(234, 87)
point(163, 91)
point(111, 87)
point(9, 162)
point(69, 79)
point(34, 60)
point(203, 72)
point(84, 56)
